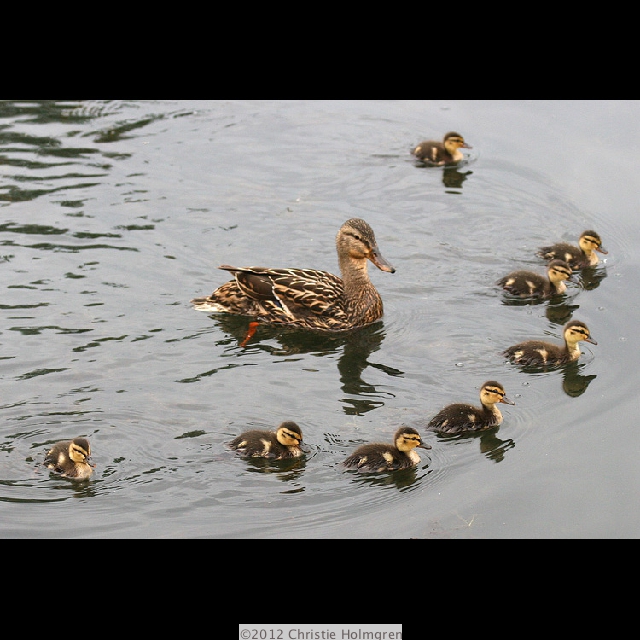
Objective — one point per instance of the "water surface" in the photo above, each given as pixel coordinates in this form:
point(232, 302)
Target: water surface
point(114, 214)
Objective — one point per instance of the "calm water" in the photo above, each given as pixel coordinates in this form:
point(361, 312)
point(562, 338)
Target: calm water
point(113, 215)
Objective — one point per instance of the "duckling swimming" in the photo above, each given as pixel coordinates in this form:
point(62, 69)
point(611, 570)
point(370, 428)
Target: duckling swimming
point(528, 284)
point(446, 152)
point(584, 255)
point(69, 458)
point(459, 417)
point(283, 443)
point(540, 352)
point(378, 457)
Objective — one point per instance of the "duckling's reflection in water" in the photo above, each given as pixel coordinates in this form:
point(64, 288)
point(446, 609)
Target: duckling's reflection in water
point(357, 346)
point(558, 309)
point(574, 384)
point(286, 470)
point(591, 277)
point(493, 447)
point(401, 479)
point(452, 178)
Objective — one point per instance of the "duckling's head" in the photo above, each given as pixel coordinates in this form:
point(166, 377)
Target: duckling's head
point(559, 270)
point(492, 392)
point(454, 141)
point(79, 450)
point(590, 241)
point(408, 438)
point(357, 240)
point(574, 331)
point(289, 434)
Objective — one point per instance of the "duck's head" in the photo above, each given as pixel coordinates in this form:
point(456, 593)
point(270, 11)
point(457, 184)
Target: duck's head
point(559, 270)
point(590, 241)
point(492, 392)
point(357, 240)
point(289, 434)
point(454, 141)
point(79, 450)
point(574, 331)
point(408, 438)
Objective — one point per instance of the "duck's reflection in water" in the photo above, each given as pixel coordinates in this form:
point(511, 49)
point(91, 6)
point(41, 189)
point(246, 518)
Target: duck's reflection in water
point(491, 445)
point(356, 346)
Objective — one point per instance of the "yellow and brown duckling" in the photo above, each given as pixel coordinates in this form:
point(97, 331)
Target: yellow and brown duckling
point(283, 443)
point(69, 458)
point(461, 417)
point(447, 152)
point(377, 457)
point(308, 298)
point(584, 255)
point(528, 284)
point(541, 352)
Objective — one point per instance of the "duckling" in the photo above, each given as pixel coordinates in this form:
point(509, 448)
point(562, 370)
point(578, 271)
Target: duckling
point(446, 152)
point(459, 417)
point(69, 458)
point(528, 284)
point(282, 443)
point(584, 255)
point(540, 352)
point(378, 457)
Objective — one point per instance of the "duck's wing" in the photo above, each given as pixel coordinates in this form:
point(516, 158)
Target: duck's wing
point(296, 291)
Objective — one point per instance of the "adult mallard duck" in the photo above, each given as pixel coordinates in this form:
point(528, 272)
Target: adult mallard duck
point(540, 352)
point(283, 443)
point(308, 298)
point(69, 458)
point(460, 417)
point(446, 152)
point(378, 457)
point(584, 255)
point(528, 284)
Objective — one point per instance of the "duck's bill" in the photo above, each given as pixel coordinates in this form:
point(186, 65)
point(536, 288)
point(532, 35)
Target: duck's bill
point(590, 340)
point(601, 250)
point(376, 257)
point(467, 146)
point(424, 445)
point(507, 401)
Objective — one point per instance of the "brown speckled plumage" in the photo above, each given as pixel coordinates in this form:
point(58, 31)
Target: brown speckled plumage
point(308, 298)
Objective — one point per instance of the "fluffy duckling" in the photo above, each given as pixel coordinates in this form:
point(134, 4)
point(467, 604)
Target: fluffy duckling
point(446, 152)
point(69, 458)
point(283, 443)
point(584, 255)
point(378, 457)
point(540, 352)
point(527, 284)
point(459, 417)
